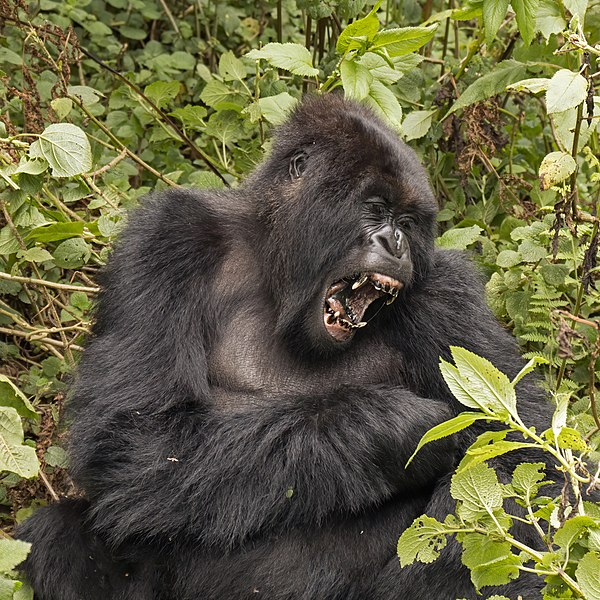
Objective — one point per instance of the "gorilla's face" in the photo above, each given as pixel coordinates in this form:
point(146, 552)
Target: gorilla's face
point(350, 220)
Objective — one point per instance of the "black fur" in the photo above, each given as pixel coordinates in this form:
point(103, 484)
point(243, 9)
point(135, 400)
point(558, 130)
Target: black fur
point(227, 446)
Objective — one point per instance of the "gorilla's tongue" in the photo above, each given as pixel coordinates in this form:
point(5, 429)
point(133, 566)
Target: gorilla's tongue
point(347, 301)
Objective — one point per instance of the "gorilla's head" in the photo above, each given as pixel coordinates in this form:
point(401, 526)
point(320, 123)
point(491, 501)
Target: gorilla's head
point(349, 216)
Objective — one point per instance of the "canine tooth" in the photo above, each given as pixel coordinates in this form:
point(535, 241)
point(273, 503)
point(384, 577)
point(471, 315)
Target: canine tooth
point(360, 282)
point(361, 324)
point(336, 314)
point(391, 299)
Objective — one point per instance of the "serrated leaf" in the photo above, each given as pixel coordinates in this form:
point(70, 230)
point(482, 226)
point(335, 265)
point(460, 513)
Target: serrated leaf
point(458, 423)
point(422, 541)
point(526, 11)
point(505, 73)
point(56, 232)
point(571, 439)
point(85, 94)
point(231, 68)
point(487, 385)
point(484, 453)
point(276, 109)
point(459, 238)
point(549, 19)
point(417, 124)
point(15, 457)
point(290, 57)
point(494, 12)
point(72, 253)
point(12, 553)
point(62, 107)
point(528, 368)
point(527, 479)
point(162, 92)
point(12, 396)
point(499, 572)
point(508, 258)
point(37, 255)
point(383, 101)
point(566, 89)
point(403, 40)
point(66, 149)
point(379, 68)
point(588, 575)
point(533, 85)
point(571, 530)
point(35, 166)
point(356, 79)
point(477, 490)
point(577, 7)
point(219, 96)
point(555, 167)
point(191, 116)
point(365, 28)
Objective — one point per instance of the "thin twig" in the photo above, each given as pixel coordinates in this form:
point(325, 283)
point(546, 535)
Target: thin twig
point(51, 284)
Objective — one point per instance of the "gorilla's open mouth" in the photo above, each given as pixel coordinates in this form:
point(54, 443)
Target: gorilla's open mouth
point(347, 300)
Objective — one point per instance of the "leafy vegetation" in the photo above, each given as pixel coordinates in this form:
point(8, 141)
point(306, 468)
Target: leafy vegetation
point(102, 101)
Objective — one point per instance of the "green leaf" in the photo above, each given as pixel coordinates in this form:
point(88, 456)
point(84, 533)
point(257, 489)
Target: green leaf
point(66, 149)
point(480, 455)
point(528, 478)
point(487, 385)
point(566, 89)
point(555, 167)
point(572, 530)
point(494, 12)
point(191, 117)
point(417, 124)
point(12, 396)
point(162, 93)
point(533, 85)
point(72, 253)
point(457, 386)
point(526, 11)
point(549, 19)
point(383, 101)
point(56, 232)
point(85, 94)
point(217, 95)
point(62, 107)
point(571, 439)
point(55, 456)
point(231, 68)
point(508, 258)
point(459, 238)
point(577, 7)
point(15, 457)
point(12, 553)
point(290, 57)
point(365, 28)
point(422, 541)
point(356, 79)
point(477, 490)
point(505, 73)
point(403, 40)
point(528, 368)
point(37, 255)
point(458, 423)
point(588, 575)
point(379, 68)
point(276, 109)
point(8, 242)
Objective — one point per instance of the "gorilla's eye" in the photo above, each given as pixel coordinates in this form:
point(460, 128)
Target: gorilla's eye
point(377, 207)
point(406, 222)
point(298, 165)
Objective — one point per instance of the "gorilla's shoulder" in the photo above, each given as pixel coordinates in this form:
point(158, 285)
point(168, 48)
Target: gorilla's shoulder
point(454, 269)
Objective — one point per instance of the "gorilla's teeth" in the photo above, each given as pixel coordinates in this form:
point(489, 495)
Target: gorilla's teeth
point(361, 324)
point(336, 314)
point(391, 299)
point(360, 282)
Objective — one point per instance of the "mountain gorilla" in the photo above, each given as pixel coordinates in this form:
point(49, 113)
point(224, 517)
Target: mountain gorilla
point(263, 363)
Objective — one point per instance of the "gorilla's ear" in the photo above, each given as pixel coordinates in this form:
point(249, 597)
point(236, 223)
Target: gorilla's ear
point(297, 164)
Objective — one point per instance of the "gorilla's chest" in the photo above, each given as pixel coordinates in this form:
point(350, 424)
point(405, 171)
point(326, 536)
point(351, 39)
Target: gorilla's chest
point(247, 358)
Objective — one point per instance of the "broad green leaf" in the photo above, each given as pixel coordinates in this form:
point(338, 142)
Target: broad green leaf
point(459, 238)
point(505, 73)
point(571, 439)
point(564, 125)
point(365, 28)
point(549, 19)
point(35, 166)
point(526, 11)
point(85, 94)
point(533, 85)
point(66, 149)
point(494, 12)
point(15, 457)
point(383, 101)
point(72, 253)
point(290, 57)
point(577, 7)
point(275, 109)
point(458, 423)
point(572, 530)
point(457, 385)
point(12, 396)
point(422, 541)
point(8, 242)
point(555, 167)
point(528, 368)
point(55, 456)
point(588, 575)
point(62, 107)
point(531, 252)
point(191, 117)
point(508, 258)
point(486, 384)
point(527, 479)
point(468, 12)
point(477, 490)
point(162, 93)
point(219, 96)
point(12, 553)
point(37, 255)
point(566, 89)
point(56, 232)
point(404, 40)
point(417, 124)
point(379, 68)
point(497, 573)
point(356, 79)
point(231, 68)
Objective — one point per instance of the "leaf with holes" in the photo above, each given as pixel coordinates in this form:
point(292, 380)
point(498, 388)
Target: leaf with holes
point(65, 147)
point(555, 167)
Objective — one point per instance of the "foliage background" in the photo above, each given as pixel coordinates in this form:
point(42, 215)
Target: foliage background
point(103, 101)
